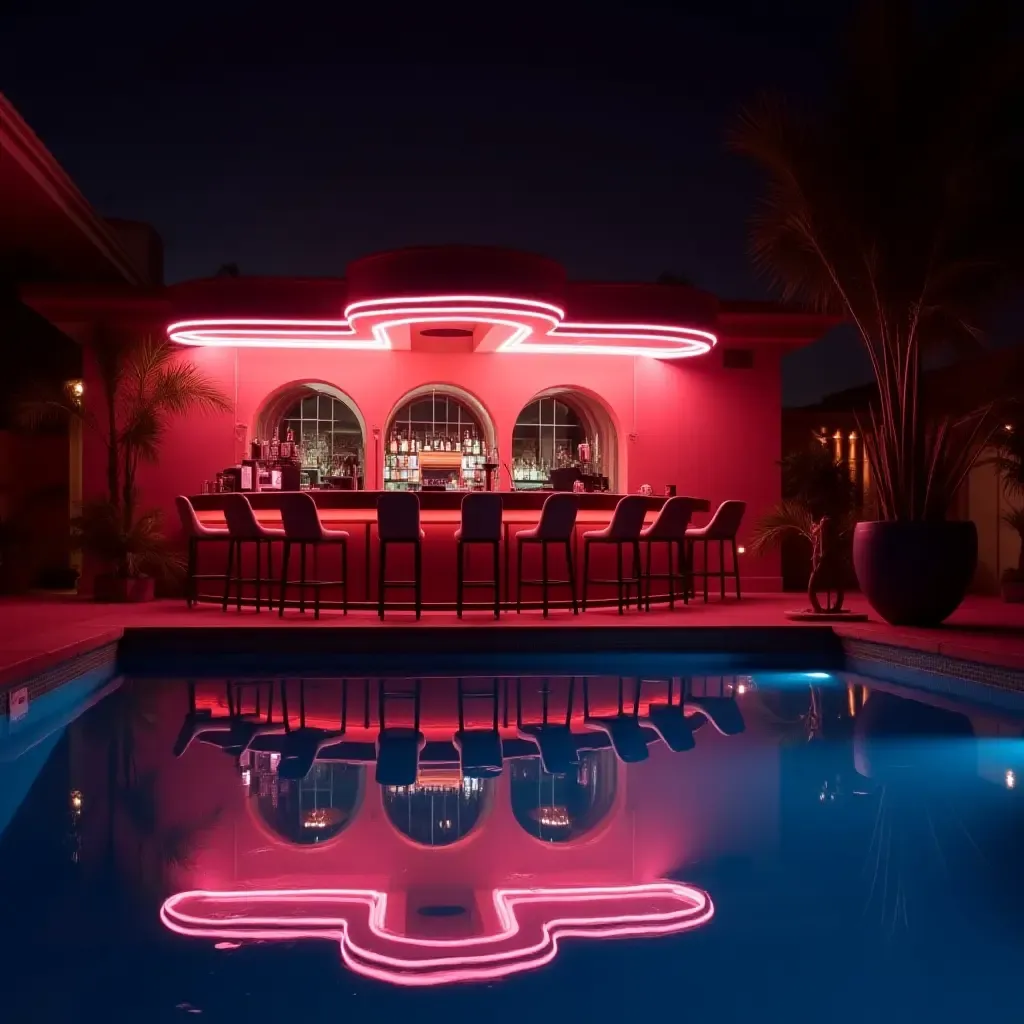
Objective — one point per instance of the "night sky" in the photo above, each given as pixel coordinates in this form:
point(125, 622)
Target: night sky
point(293, 146)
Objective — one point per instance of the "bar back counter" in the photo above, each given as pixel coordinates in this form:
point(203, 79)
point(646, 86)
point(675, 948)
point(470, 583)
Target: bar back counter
point(440, 511)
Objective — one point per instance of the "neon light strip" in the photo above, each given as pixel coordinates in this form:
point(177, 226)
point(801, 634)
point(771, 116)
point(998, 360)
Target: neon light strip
point(666, 341)
point(695, 909)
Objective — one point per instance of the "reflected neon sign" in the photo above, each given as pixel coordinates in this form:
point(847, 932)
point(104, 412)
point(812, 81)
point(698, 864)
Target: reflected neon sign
point(528, 926)
point(525, 325)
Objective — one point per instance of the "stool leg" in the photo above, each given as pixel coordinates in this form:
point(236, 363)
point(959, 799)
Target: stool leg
point(285, 553)
point(618, 576)
point(270, 575)
point(459, 570)
point(586, 570)
point(418, 560)
point(647, 578)
point(571, 562)
point(497, 581)
point(302, 577)
point(259, 574)
point(190, 578)
point(238, 578)
point(637, 574)
point(380, 579)
point(227, 574)
point(316, 589)
point(736, 567)
point(721, 567)
point(544, 576)
point(707, 568)
point(519, 577)
point(683, 555)
point(344, 577)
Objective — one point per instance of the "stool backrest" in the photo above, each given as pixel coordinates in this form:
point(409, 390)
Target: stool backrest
point(628, 517)
point(558, 517)
point(481, 517)
point(187, 514)
point(299, 517)
point(673, 519)
point(242, 522)
point(398, 516)
point(725, 523)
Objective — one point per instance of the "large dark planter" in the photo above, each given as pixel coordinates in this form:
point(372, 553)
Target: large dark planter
point(133, 589)
point(915, 574)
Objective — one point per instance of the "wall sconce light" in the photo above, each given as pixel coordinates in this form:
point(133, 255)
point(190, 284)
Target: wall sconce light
point(741, 550)
point(75, 390)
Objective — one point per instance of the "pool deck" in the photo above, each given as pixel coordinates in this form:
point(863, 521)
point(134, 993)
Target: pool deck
point(40, 632)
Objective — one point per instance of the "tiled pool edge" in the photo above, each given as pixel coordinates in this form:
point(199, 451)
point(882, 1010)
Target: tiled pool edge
point(59, 671)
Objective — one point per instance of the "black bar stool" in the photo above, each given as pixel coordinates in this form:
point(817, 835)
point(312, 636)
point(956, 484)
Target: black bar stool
point(398, 522)
point(724, 526)
point(627, 522)
point(302, 526)
point(196, 533)
point(669, 529)
point(556, 525)
point(398, 746)
point(245, 528)
point(480, 754)
point(481, 524)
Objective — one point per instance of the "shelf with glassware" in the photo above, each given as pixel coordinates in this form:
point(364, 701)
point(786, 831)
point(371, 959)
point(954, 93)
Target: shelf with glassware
point(532, 473)
point(421, 461)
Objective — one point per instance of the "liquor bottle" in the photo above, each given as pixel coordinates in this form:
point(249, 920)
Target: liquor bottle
point(275, 446)
point(393, 444)
point(447, 444)
point(405, 445)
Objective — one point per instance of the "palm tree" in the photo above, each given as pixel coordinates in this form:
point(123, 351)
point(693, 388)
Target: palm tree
point(1009, 463)
point(897, 205)
point(145, 383)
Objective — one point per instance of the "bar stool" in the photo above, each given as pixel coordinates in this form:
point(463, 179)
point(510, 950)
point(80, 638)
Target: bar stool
point(480, 751)
point(398, 522)
point(724, 526)
point(398, 746)
point(627, 522)
point(481, 524)
point(669, 529)
point(628, 737)
point(556, 743)
point(556, 525)
point(245, 528)
point(302, 526)
point(196, 533)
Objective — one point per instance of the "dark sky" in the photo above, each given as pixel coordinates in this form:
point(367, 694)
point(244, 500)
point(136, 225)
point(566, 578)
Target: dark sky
point(290, 141)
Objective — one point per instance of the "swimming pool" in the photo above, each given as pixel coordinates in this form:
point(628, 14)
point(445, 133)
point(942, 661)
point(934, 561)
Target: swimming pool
point(676, 839)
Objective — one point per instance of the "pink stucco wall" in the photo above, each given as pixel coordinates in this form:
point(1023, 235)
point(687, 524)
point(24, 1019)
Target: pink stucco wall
point(714, 432)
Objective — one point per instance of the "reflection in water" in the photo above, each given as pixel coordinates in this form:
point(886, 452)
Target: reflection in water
point(309, 810)
point(559, 808)
point(439, 809)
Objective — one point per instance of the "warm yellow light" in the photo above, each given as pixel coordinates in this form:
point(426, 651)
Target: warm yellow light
point(741, 550)
point(837, 436)
point(853, 435)
point(741, 689)
point(1011, 778)
point(1008, 427)
point(76, 800)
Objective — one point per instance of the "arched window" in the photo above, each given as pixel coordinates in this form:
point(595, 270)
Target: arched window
point(563, 430)
point(309, 811)
point(437, 811)
point(560, 808)
point(327, 432)
point(438, 438)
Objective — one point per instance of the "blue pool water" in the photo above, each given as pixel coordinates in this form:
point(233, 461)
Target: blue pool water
point(695, 843)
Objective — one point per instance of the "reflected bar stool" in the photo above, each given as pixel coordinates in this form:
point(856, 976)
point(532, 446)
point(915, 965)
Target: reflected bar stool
point(398, 746)
point(627, 522)
point(724, 526)
point(629, 738)
point(196, 533)
point(245, 528)
point(670, 529)
point(398, 522)
point(480, 752)
point(302, 526)
point(556, 525)
point(481, 524)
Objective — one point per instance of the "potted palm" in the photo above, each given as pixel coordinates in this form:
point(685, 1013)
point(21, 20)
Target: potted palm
point(145, 384)
point(897, 205)
point(1009, 462)
point(820, 508)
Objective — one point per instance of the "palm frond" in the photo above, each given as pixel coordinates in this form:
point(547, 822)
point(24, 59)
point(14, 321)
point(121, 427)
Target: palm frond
point(788, 518)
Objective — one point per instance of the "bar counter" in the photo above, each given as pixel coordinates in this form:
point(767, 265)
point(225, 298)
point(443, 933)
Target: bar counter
point(440, 513)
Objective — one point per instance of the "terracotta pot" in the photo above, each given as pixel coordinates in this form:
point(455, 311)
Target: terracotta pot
point(1012, 591)
point(123, 588)
point(915, 574)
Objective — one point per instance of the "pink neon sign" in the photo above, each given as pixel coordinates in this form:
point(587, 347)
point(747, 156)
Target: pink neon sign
point(529, 923)
point(526, 325)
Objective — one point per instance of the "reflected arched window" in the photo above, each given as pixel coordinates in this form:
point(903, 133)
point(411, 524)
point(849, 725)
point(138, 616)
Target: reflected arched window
point(559, 808)
point(437, 811)
point(436, 440)
point(312, 810)
point(563, 430)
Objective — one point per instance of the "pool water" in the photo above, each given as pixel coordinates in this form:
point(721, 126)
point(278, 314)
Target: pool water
point(811, 846)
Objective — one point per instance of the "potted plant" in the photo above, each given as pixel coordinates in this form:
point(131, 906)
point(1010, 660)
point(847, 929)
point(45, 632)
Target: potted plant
point(821, 508)
point(897, 206)
point(1009, 462)
point(145, 383)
